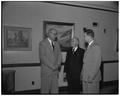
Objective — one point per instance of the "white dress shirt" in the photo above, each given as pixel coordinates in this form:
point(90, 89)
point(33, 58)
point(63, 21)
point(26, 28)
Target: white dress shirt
point(51, 42)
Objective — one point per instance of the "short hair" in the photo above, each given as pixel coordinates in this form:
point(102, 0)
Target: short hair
point(89, 32)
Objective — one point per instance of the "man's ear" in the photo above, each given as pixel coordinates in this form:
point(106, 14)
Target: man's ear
point(84, 29)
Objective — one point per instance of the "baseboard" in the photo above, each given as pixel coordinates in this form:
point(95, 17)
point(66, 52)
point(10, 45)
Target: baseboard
point(108, 83)
point(62, 89)
point(37, 91)
point(39, 64)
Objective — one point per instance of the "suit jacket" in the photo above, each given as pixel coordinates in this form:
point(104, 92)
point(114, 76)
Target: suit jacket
point(91, 63)
point(49, 59)
point(74, 62)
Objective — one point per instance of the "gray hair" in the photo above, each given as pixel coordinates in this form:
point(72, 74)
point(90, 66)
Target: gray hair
point(76, 38)
point(47, 34)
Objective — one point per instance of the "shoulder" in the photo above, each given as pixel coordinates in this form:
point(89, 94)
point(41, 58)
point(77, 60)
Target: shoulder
point(81, 49)
point(43, 42)
point(96, 47)
point(69, 50)
point(56, 43)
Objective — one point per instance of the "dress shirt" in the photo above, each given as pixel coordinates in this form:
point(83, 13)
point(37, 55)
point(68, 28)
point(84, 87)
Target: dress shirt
point(51, 43)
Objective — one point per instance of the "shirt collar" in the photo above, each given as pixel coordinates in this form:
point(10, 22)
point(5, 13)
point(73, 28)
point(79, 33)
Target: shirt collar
point(75, 48)
point(90, 42)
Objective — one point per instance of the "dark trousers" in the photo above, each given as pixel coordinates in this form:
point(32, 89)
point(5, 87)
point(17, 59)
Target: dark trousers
point(74, 85)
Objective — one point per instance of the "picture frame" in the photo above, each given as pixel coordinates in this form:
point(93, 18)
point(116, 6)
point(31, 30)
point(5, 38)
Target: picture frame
point(65, 33)
point(17, 38)
point(117, 43)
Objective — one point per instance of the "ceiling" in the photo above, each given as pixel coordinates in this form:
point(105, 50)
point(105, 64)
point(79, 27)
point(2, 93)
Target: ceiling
point(108, 5)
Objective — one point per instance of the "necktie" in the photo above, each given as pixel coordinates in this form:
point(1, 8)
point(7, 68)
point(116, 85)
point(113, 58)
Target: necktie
point(53, 46)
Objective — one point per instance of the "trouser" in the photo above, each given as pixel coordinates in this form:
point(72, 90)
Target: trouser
point(49, 84)
point(90, 88)
point(74, 85)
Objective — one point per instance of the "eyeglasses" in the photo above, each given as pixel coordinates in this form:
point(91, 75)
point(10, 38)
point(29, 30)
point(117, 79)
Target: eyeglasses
point(54, 33)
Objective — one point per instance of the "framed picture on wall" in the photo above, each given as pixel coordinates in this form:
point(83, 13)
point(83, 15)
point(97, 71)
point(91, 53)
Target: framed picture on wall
point(65, 32)
point(17, 38)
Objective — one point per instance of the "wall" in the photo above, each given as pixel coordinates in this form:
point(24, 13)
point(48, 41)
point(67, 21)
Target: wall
point(24, 77)
point(111, 73)
point(32, 15)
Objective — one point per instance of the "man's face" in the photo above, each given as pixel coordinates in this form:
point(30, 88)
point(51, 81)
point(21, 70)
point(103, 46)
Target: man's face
point(86, 37)
point(74, 42)
point(53, 35)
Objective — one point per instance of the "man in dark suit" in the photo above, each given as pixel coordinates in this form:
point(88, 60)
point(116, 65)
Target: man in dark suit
point(73, 66)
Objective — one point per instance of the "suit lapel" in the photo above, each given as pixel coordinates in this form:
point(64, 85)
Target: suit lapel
point(76, 51)
point(89, 48)
point(91, 45)
point(49, 47)
point(48, 44)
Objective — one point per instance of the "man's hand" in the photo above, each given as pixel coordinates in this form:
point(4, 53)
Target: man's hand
point(55, 68)
point(90, 80)
point(87, 79)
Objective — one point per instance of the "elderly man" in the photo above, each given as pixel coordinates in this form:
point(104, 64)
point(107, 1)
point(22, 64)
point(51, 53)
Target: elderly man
point(73, 66)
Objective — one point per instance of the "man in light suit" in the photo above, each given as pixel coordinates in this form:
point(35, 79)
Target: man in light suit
point(50, 58)
point(91, 74)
